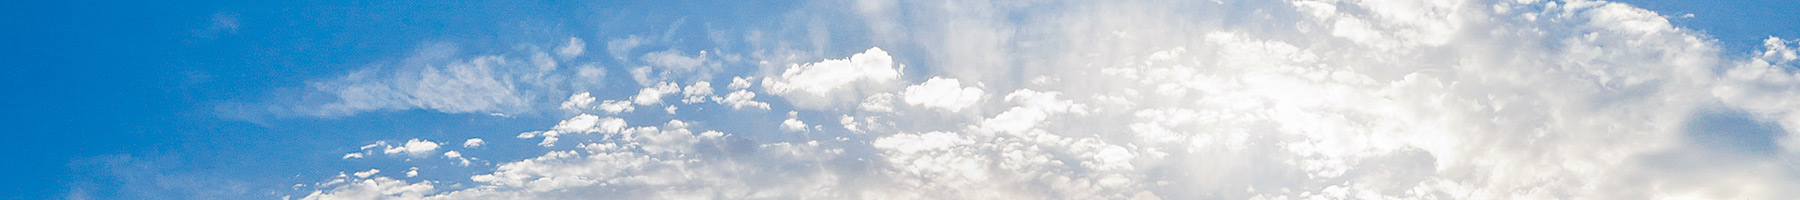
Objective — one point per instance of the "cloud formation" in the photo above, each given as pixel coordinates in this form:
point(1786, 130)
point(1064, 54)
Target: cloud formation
point(947, 94)
point(436, 79)
point(1304, 99)
point(834, 81)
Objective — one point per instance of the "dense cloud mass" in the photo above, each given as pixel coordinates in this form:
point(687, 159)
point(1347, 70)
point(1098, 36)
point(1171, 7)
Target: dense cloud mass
point(1301, 99)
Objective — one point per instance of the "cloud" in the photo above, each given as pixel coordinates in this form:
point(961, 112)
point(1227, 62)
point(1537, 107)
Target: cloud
point(584, 123)
point(697, 92)
point(654, 95)
point(675, 60)
point(371, 188)
point(793, 124)
point(743, 98)
point(220, 24)
point(473, 142)
point(433, 79)
point(413, 147)
point(1194, 100)
point(1768, 86)
point(834, 81)
point(574, 48)
point(674, 65)
point(944, 93)
point(619, 48)
point(578, 101)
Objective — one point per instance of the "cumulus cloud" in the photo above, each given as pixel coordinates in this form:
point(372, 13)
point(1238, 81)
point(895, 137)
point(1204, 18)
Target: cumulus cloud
point(1767, 85)
point(473, 142)
point(414, 147)
point(944, 93)
point(654, 95)
point(834, 81)
point(743, 98)
point(1304, 99)
point(793, 124)
point(578, 101)
point(697, 92)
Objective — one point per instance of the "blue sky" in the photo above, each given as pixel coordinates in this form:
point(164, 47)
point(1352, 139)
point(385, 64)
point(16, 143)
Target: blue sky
point(235, 100)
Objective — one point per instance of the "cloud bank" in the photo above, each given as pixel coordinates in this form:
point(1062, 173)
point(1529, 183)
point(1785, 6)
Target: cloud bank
point(1304, 99)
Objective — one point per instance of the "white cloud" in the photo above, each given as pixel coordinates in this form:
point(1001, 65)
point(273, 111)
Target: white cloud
point(943, 93)
point(740, 83)
point(882, 102)
point(1181, 100)
point(793, 124)
point(675, 60)
point(574, 48)
point(834, 81)
point(437, 78)
point(616, 107)
point(654, 95)
point(1767, 85)
point(578, 101)
point(473, 142)
point(579, 123)
point(366, 174)
point(621, 47)
point(414, 147)
point(583, 123)
point(590, 75)
point(1034, 107)
point(371, 188)
point(743, 98)
point(697, 93)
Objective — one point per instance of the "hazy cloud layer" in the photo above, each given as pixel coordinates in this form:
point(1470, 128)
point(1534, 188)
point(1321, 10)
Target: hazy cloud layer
point(1305, 99)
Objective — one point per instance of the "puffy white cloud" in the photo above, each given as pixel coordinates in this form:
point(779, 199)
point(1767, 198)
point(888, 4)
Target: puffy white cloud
point(578, 101)
point(371, 188)
point(1190, 100)
point(1767, 85)
point(366, 174)
point(697, 93)
point(793, 124)
point(834, 81)
point(943, 93)
point(740, 83)
point(413, 147)
point(473, 142)
point(741, 99)
point(654, 95)
point(583, 123)
point(616, 106)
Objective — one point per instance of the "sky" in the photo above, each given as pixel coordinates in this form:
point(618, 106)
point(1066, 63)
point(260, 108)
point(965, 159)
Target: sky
point(879, 99)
